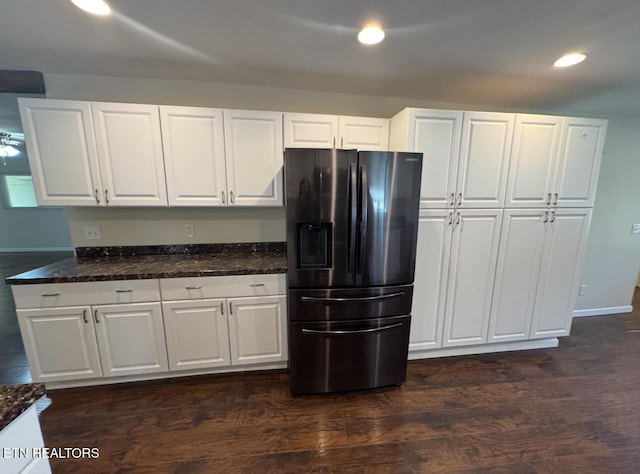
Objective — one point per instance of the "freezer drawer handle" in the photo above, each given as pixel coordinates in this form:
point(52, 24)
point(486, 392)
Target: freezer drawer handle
point(365, 298)
point(357, 331)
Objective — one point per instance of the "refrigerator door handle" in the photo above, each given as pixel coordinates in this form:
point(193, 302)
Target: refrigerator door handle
point(353, 215)
point(310, 299)
point(357, 331)
point(364, 214)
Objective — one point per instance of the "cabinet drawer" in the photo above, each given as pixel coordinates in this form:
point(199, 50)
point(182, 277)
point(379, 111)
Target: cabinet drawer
point(222, 287)
point(49, 295)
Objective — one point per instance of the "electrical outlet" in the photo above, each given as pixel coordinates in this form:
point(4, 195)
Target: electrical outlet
point(583, 290)
point(635, 229)
point(188, 230)
point(92, 232)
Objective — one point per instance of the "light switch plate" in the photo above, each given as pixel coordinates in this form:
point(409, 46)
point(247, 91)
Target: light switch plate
point(635, 229)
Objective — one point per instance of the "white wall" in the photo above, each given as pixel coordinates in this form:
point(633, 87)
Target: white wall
point(613, 255)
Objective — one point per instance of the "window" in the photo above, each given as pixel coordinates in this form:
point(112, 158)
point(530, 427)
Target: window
point(19, 191)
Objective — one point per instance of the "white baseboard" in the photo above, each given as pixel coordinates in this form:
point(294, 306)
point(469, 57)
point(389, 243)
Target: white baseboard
point(579, 313)
point(485, 348)
point(36, 249)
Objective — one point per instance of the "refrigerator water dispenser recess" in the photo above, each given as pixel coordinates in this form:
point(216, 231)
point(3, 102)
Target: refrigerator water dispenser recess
point(314, 244)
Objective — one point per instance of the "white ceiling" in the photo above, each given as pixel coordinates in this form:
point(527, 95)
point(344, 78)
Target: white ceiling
point(487, 52)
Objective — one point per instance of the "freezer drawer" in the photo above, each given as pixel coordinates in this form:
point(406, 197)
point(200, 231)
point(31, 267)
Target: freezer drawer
point(349, 303)
point(348, 355)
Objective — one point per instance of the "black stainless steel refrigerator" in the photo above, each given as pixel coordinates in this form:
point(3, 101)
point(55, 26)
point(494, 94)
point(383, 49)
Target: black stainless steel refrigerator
point(352, 225)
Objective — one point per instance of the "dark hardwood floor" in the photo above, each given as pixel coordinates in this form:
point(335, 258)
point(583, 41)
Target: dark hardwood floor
point(571, 409)
point(13, 361)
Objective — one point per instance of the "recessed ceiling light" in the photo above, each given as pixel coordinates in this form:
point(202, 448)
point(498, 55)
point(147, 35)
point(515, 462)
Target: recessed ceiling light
point(371, 34)
point(96, 7)
point(570, 59)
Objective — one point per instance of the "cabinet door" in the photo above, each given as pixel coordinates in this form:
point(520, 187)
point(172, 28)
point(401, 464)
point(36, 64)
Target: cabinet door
point(484, 159)
point(432, 264)
point(62, 152)
point(197, 334)
point(474, 252)
point(193, 143)
point(310, 131)
point(130, 338)
point(519, 257)
point(257, 330)
point(130, 153)
point(436, 134)
point(253, 144)
point(363, 133)
point(565, 244)
point(60, 343)
point(579, 162)
point(533, 161)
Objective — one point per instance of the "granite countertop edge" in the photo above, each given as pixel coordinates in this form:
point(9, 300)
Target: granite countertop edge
point(226, 262)
point(16, 399)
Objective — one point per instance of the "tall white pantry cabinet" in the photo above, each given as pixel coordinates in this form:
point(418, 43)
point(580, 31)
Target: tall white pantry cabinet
point(505, 209)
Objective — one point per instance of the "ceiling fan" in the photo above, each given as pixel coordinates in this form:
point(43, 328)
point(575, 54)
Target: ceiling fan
point(8, 147)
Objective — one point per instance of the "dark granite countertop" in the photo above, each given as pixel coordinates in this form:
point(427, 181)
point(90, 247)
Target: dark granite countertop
point(16, 399)
point(181, 261)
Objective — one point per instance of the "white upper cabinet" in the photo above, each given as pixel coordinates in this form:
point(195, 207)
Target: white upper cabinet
point(555, 161)
point(579, 162)
point(193, 141)
point(333, 131)
point(484, 159)
point(253, 144)
point(533, 161)
point(465, 155)
point(435, 134)
point(129, 145)
point(62, 152)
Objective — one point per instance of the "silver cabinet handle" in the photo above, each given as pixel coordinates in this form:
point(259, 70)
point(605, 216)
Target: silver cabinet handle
point(459, 199)
point(308, 299)
point(125, 291)
point(450, 218)
point(230, 307)
point(553, 217)
point(193, 287)
point(222, 309)
point(95, 316)
point(548, 199)
point(84, 316)
point(97, 196)
point(357, 331)
point(106, 196)
point(231, 196)
point(223, 198)
point(50, 294)
point(453, 199)
point(546, 217)
point(341, 142)
point(334, 142)
point(555, 199)
point(256, 284)
point(457, 218)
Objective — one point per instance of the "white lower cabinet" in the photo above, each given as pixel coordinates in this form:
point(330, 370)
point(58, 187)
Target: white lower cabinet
point(455, 268)
point(257, 330)
point(244, 325)
point(197, 334)
point(81, 342)
point(60, 343)
point(130, 339)
point(539, 267)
